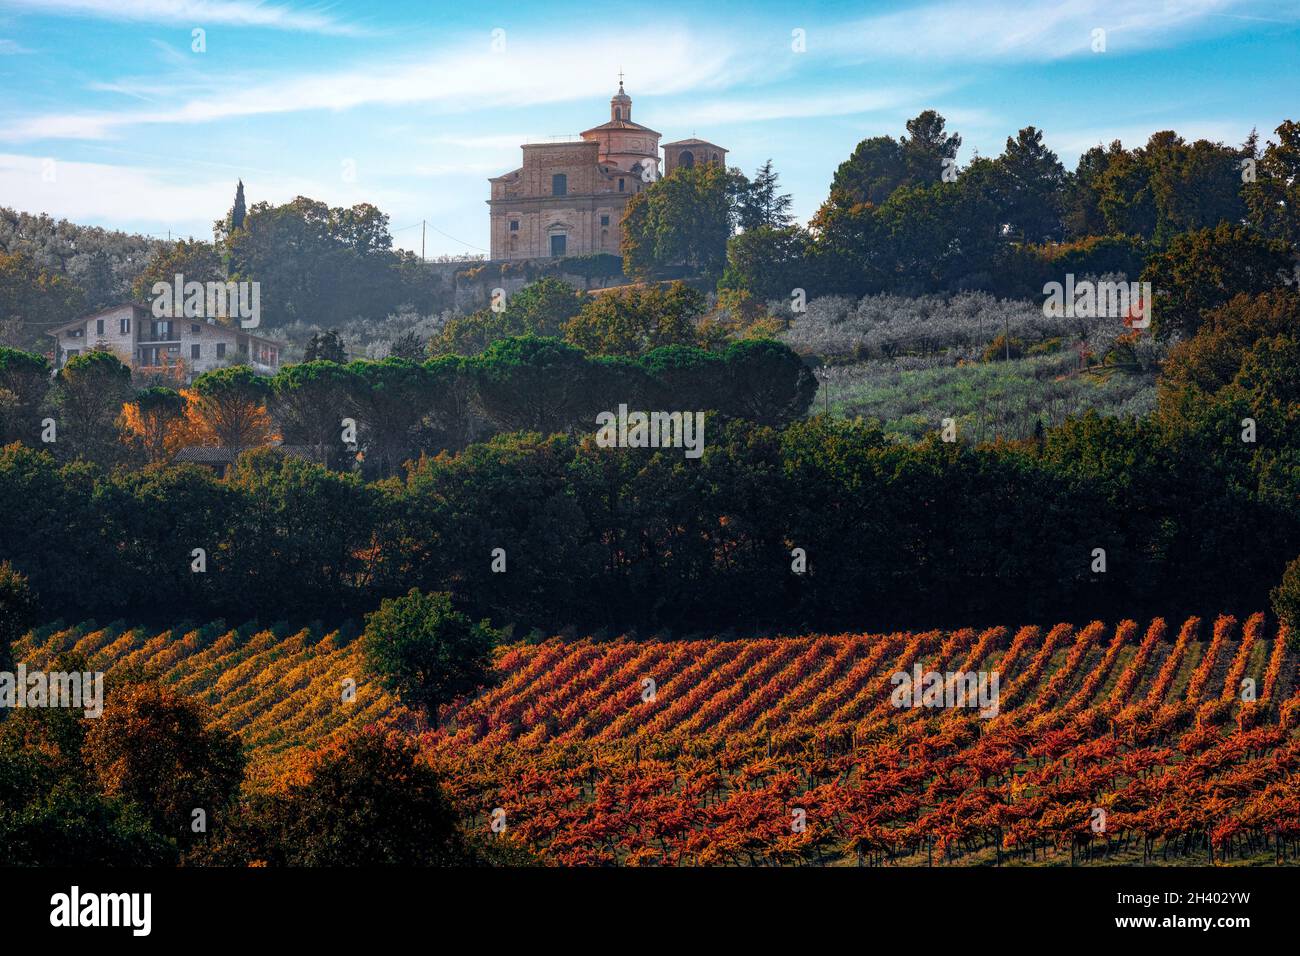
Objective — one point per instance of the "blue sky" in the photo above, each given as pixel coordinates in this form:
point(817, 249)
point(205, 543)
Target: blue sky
point(109, 117)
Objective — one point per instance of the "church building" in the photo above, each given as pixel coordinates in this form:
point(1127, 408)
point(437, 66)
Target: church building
point(567, 198)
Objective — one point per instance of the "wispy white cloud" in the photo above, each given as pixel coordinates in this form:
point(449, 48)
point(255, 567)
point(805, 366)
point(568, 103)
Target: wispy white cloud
point(11, 47)
point(832, 103)
point(197, 13)
point(1020, 30)
point(152, 197)
point(93, 191)
point(466, 76)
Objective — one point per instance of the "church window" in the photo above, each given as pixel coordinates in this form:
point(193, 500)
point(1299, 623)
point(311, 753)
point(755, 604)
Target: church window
point(620, 185)
point(604, 220)
point(514, 225)
point(618, 112)
point(687, 158)
point(557, 245)
point(559, 184)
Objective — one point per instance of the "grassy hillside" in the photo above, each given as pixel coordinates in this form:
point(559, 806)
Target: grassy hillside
point(988, 399)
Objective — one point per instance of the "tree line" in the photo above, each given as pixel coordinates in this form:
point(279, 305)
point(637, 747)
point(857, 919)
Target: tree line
point(153, 783)
point(903, 216)
point(372, 416)
point(1193, 510)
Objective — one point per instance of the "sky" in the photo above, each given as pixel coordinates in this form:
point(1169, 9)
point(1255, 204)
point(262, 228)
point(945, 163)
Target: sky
point(118, 113)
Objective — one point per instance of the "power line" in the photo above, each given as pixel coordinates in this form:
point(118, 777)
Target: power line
point(423, 223)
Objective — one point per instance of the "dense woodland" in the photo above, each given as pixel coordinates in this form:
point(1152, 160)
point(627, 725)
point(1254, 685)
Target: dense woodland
point(488, 444)
point(1188, 512)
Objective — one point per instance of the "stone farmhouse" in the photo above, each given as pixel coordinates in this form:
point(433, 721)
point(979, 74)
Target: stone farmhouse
point(568, 197)
point(177, 347)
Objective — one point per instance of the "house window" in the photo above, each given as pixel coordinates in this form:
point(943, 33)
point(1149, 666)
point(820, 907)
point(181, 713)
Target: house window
point(124, 325)
point(221, 350)
point(557, 245)
point(620, 185)
point(72, 352)
point(559, 185)
point(162, 331)
point(99, 326)
point(604, 220)
point(196, 329)
point(194, 351)
point(514, 225)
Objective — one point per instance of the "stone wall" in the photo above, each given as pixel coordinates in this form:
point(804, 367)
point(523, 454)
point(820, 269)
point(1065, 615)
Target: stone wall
point(474, 284)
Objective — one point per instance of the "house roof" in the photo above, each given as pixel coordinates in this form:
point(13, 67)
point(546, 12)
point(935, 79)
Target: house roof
point(138, 308)
point(104, 311)
point(209, 455)
point(205, 455)
point(693, 142)
point(621, 124)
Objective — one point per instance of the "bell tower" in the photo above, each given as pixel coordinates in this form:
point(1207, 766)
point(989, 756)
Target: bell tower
point(620, 105)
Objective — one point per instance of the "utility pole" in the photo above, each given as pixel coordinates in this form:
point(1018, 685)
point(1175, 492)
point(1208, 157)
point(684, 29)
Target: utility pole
point(421, 240)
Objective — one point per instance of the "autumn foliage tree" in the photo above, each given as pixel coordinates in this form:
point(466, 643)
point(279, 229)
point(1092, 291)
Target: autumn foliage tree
point(154, 423)
point(227, 407)
point(33, 299)
point(156, 748)
point(1202, 270)
point(634, 320)
point(365, 800)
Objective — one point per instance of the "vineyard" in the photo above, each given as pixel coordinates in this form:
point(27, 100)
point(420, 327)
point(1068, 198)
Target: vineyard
point(1110, 745)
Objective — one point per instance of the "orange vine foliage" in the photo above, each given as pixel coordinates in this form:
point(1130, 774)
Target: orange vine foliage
point(704, 752)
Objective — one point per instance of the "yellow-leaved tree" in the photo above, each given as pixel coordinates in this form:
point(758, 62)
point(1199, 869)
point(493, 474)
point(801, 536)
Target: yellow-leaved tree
point(227, 408)
point(154, 423)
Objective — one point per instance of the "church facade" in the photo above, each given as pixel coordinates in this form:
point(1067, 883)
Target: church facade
point(567, 198)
